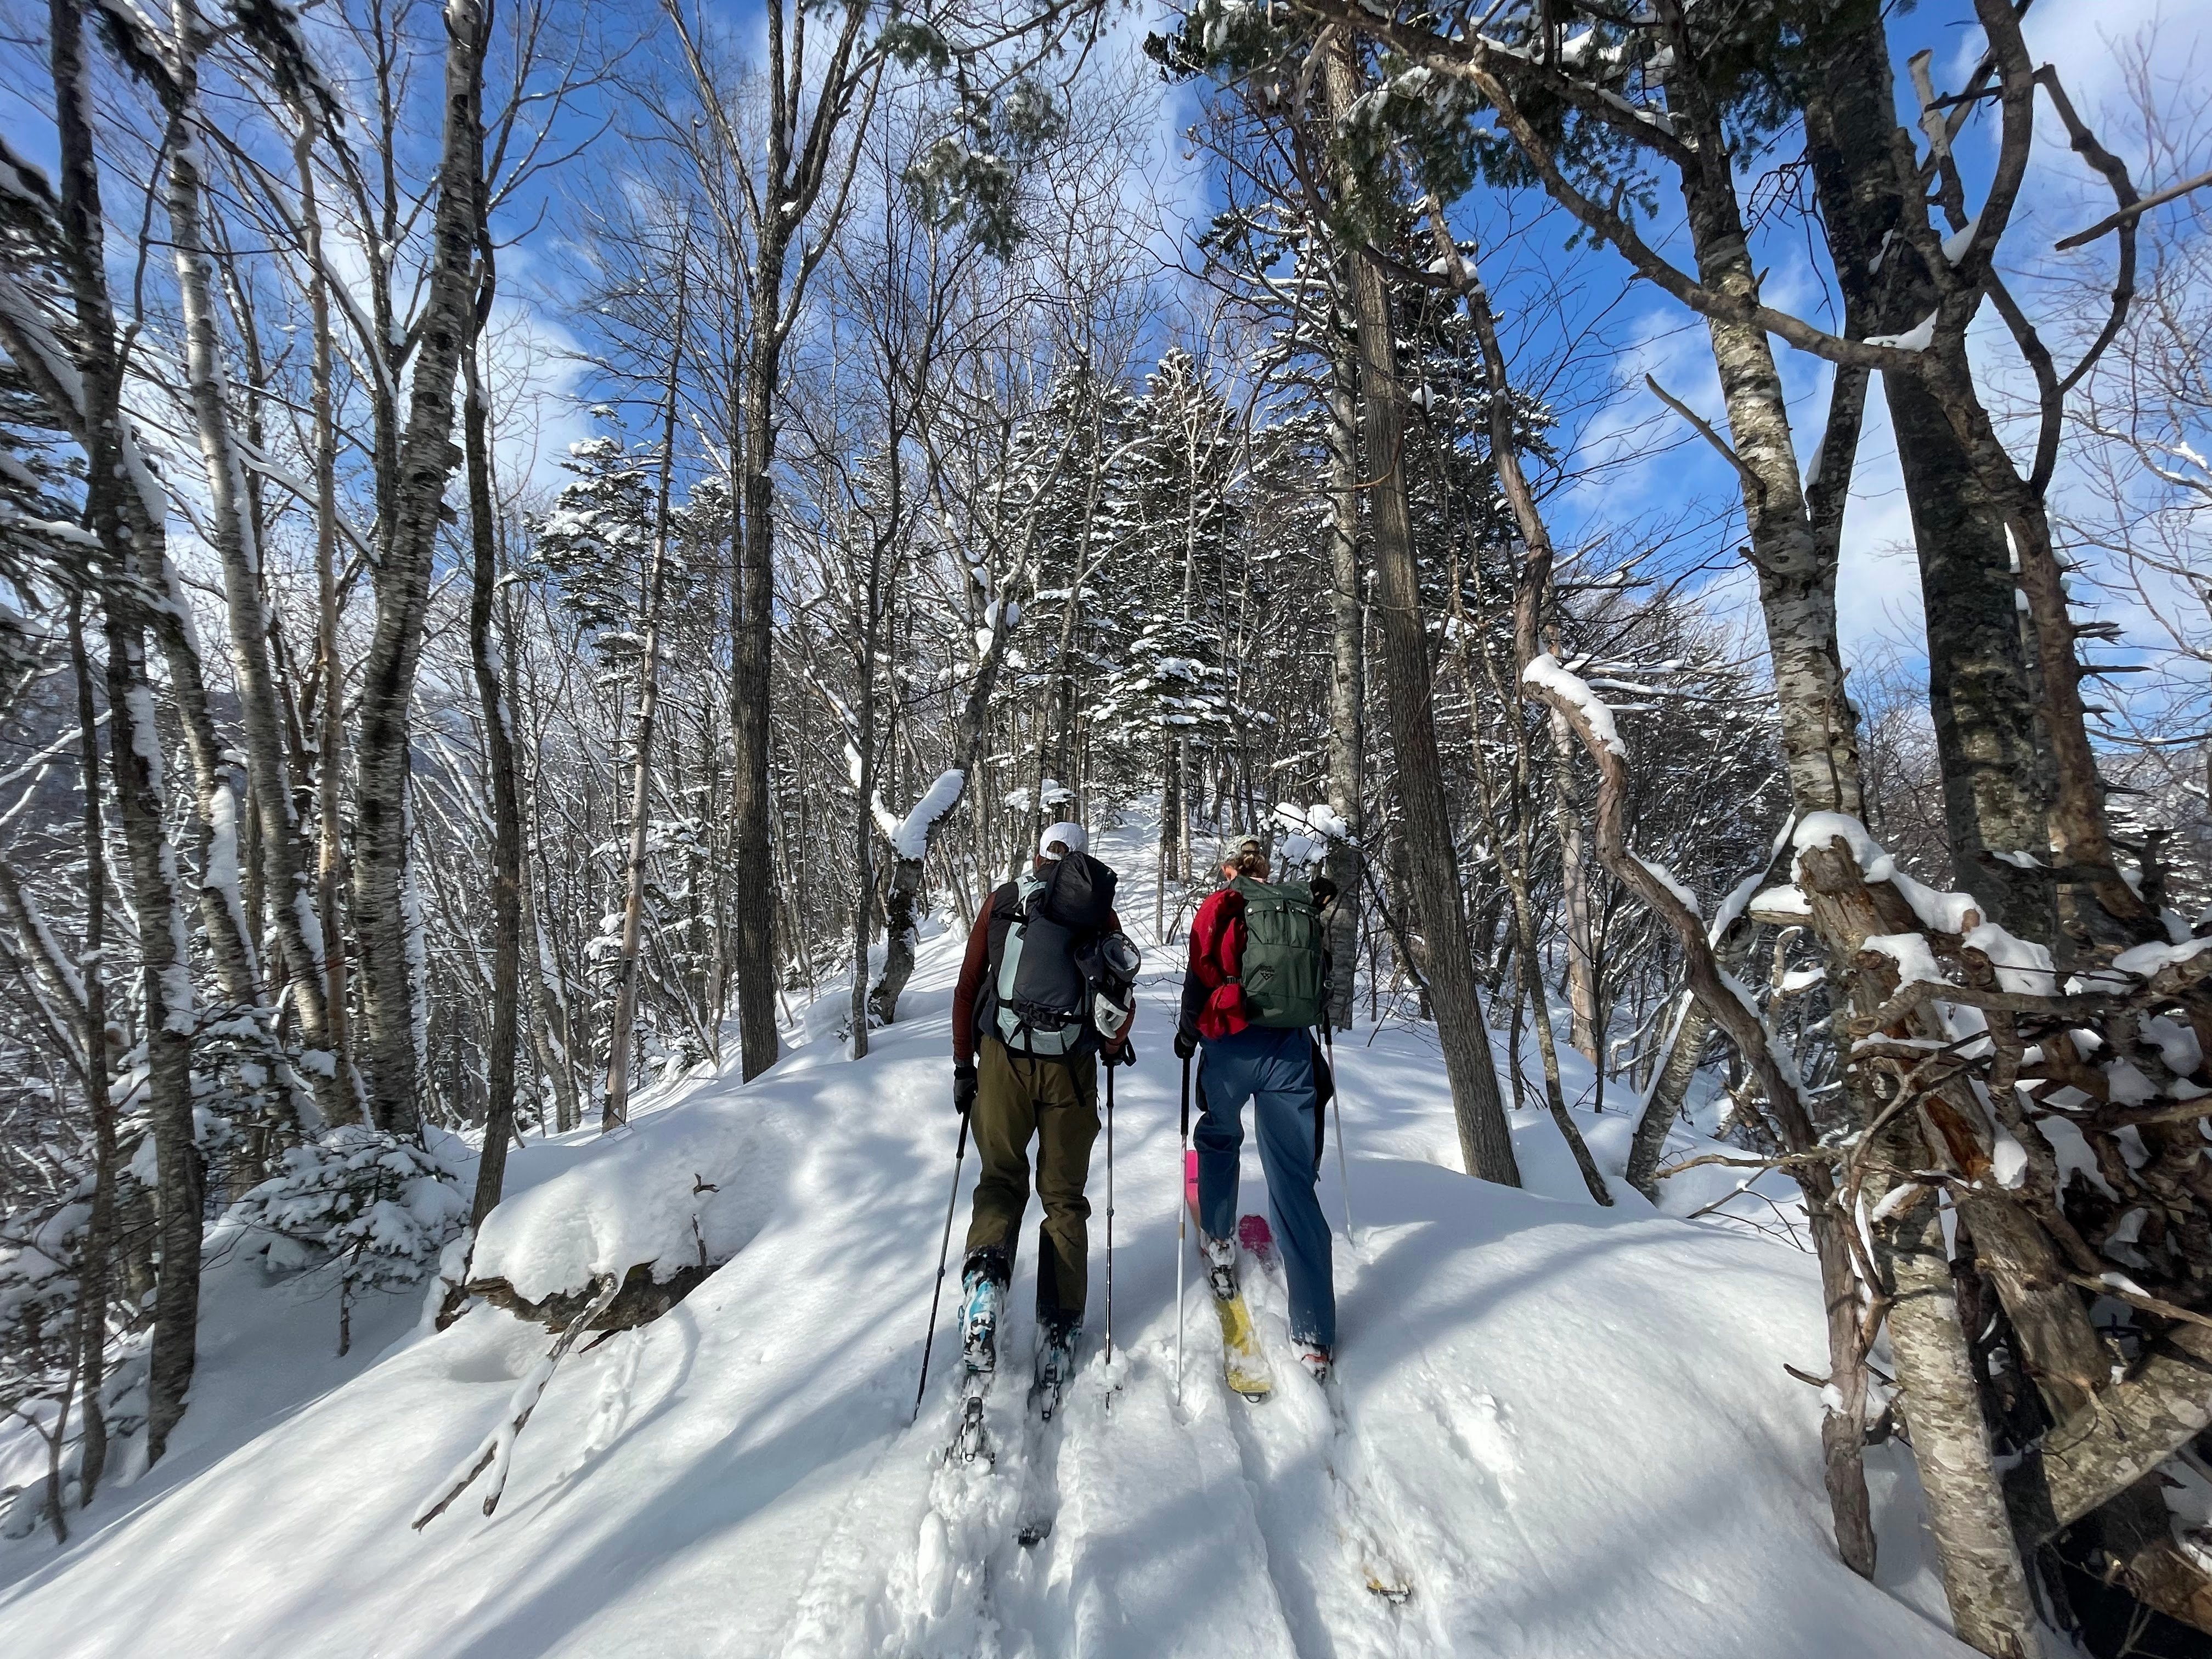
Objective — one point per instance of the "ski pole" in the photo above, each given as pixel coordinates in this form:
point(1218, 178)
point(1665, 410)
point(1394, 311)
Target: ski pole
point(943, 1251)
point(1109, 1213)
point(1182, 1221)
point(1336, 1099)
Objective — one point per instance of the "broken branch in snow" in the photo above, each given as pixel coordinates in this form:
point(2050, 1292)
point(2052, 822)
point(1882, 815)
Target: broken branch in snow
point(497, 1448)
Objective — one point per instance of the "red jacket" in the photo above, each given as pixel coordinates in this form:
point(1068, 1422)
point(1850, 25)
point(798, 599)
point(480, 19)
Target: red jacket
point(1212, 1000)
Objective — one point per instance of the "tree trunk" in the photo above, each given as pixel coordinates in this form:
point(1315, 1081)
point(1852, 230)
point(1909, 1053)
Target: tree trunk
point(1796, 570)
point(383, 896)
point(330, 743)
point(506, 808)
point(550, 1026)
point(902, 906)
point(2137, 1426)
point(165, 991)
point(1994, 799)
point(1171, 809)
point(754, 908)
point(1347, 682)
point(1574, 900)
point(299, 929)
point(1434, 898)
point(1685, 1047)
point(1983, 1580)
point(129, 516)
point(92, 1274)
point(126, 523)
point(616, 1109)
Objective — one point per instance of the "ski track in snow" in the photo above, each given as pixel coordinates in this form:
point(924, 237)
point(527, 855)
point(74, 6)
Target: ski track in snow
point(1565, 1431)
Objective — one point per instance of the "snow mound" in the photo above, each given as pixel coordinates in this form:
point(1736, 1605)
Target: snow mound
point(679, 1190)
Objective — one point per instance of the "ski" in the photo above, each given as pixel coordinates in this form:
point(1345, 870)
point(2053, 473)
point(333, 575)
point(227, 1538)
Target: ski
point(1244, 1366)
point(1385, 1581)
point(1055, 1366)
point(1257, 1237)
point(969, 1441)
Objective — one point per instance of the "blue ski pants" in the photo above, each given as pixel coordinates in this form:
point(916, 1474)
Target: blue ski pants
point(1273, 1069)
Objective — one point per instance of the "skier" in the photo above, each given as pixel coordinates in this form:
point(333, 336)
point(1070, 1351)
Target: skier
point(1254, 988)
point(1044, 987)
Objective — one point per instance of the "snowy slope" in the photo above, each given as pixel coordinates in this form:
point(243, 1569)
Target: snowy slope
point(1566, 1430)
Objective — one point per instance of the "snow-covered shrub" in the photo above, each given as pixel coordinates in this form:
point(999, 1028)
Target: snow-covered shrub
point(374, 1207)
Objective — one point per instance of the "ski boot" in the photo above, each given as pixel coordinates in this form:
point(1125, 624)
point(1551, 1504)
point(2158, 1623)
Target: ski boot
point(1316, 1360)
point(1220, 1255)
point(1057, 1341)
point(983, 1299)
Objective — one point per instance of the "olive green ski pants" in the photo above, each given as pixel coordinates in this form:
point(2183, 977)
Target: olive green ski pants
point(1055, 1102)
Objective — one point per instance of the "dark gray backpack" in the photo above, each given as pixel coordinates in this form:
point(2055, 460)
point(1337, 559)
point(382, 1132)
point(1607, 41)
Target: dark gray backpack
point(1037, 999)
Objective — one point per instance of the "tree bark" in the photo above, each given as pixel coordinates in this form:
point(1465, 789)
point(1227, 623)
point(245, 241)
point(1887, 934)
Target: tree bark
point(551, 1025)
point(2137, 1425)
point(1796, 583)
point(125, 523)
point(1574, 899)
point(1983, 1580)
point(330, 696)
point(1979, 696)
point(234, 532)
point(91, 1262)
point(1347, 680)
point(167, 995)
point(1434, 895)
point(384, 910)
point(1532, 599)
point(129, 514)
point(617, 1108)
point(506, 807)
point(753, 911)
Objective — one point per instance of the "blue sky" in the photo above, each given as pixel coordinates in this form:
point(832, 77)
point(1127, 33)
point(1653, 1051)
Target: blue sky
point(1666, 476)
point(1879, 591)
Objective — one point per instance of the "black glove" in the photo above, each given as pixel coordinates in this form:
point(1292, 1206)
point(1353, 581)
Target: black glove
point(963, 1089)
point(1186, 1043)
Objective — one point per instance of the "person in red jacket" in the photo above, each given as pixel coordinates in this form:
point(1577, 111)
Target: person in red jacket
point(1015, 1084)
point(1276, 1070)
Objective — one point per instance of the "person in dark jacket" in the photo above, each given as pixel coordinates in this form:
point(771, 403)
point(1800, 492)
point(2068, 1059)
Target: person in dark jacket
point(1277, 1071)
point(1015, 1087)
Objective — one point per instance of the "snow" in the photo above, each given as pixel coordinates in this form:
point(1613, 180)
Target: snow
point(1895, 1199)
point(2022, 965)
point(680, 1190)
point(1915, 963)
point(1312, 829)
point(1918, 337)
point(1544, 670)
point(1668, 880)
point(1956, 244)
point(1787, 900)
point(1944, 913)
point(1566, 1429)
point(2008, 1158)
point(2146, 959)
point(909, 835)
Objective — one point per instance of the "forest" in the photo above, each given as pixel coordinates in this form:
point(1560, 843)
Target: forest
point(553, 551)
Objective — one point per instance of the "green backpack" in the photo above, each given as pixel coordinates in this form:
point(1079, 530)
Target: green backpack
point(1281, 972)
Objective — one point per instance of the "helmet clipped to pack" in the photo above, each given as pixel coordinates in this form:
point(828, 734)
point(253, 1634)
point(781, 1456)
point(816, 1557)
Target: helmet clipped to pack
point(1111, 963)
